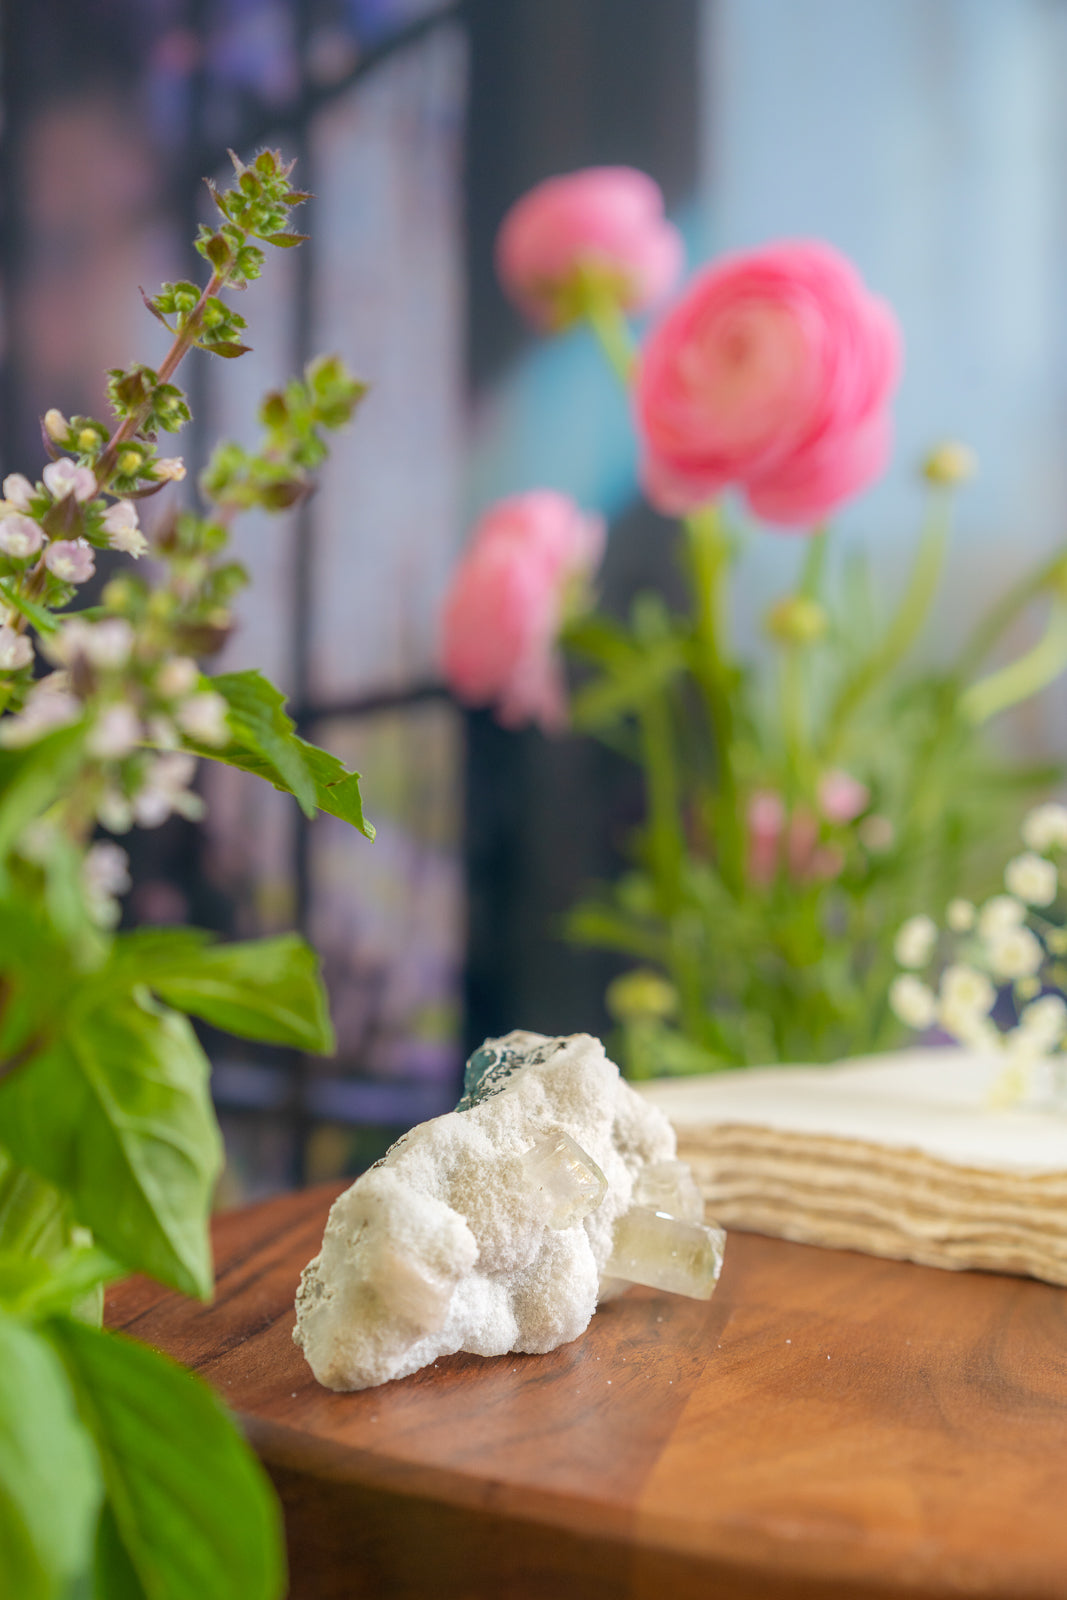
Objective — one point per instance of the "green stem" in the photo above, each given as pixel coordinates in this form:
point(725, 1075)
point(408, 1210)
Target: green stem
point(1005, 612)
point(612, 332)
point(709, 560)
point(906, 624)
point(1022, 678)
point(792, 690)
point(811, 574)
point(666, 845)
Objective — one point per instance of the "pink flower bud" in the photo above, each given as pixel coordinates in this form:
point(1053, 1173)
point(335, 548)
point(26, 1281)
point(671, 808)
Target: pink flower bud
point(507, 602)
point(20, 536)
point(70, 559)
point(766, 824)
point(772, 373)
point(605, 221)
point(842, 798)
point(121, 526)
point(64, 477)
point(18, 491)
point(16, 651)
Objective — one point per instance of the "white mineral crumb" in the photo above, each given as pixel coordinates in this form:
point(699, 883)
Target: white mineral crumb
point(490, 1229)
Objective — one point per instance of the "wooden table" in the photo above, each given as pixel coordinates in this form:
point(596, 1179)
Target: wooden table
point(828, 1425)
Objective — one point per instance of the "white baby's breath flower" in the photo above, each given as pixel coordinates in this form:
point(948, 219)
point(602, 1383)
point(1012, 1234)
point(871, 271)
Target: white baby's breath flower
point(65, 477)
point(20, 536)
point(203, 717)
point(1045, 1020)
point(116, 733)
point(1014, 953)
point(176, 677)
point(912, 1001)
point(122, 528)
point(1002, 911)
point(960, 916)
point(964, 986)
point(1044, 828)
point(18, 491)
point(1032, 879)
point(915, 940)
point(16, 651)
point(968, 1026)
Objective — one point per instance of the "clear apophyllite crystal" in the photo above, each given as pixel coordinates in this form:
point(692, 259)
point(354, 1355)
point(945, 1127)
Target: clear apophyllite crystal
point(670, 1186)
point(569, 1180)
point(665, 1252)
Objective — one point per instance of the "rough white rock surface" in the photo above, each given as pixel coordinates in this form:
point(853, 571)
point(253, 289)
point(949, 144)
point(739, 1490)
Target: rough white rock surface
point(444, 1245)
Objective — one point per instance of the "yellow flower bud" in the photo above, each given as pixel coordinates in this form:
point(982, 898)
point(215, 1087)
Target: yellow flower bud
point(950, 464)
point(641, 995)
point(128, 462)
point(797, 620)
point(88, 439)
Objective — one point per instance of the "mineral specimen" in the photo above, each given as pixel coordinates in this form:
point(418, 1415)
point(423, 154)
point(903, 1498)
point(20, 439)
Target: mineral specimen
point(498, 1227)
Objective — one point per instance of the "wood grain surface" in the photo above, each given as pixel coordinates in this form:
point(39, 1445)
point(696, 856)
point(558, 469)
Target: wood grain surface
point(828, 1425)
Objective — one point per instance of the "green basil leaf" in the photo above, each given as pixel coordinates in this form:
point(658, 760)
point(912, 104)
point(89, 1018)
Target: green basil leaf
point(269, 989)
point(49, 1480)
point(117, 1114)
point(31, 778)
point(265, 743)
point(191, 1506)
point(32, 1287)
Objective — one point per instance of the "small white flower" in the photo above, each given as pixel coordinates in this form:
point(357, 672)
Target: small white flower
point(18, 491)
point(123, 530)
point(162, 732)
point(1045, 1020)
point(49, 705)
point(960, 916)
point(1002, 911)
point(20, 536)
point(1032, 879)
point(914, 944)
point(167, 790)
point(178, 676)
point(105, 874)
point(968, 1026)
point(912, 1001)
point(1014, 953)
point(56, 426)
point(114, 812)
point(1044, 828)
point(64, 477)
point(104, 644)
point(116, 733)
point(171, 469)
point(968, 989)
point(16, 651)
point(203, 717)
point(70, 559)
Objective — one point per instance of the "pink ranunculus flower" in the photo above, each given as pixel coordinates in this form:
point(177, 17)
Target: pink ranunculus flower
point(773, 373)
point(507, 601)
point(605, 220)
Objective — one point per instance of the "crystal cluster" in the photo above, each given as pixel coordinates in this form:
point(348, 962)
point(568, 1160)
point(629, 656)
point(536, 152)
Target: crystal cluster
point(499, 1226)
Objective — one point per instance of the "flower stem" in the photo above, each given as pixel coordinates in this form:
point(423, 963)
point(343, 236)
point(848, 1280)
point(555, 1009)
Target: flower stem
point(1022, 678)
point(906, 623)
point(612, 333)
point(1004, 614)
point(666, 847)
point(709, 559)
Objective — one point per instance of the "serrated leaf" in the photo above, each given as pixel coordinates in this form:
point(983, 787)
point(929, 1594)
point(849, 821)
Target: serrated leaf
point(116, 1113)
point(49, 1480)
point(191, 1508)
point(151, 306)
point(269, 989)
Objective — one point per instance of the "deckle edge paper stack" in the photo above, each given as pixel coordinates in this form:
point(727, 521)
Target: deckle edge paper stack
point(896, 1155)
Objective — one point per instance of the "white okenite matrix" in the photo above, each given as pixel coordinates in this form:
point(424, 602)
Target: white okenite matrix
point(498, 1227)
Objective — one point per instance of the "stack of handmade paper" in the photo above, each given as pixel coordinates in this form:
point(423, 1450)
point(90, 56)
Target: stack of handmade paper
point(897, 1155)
